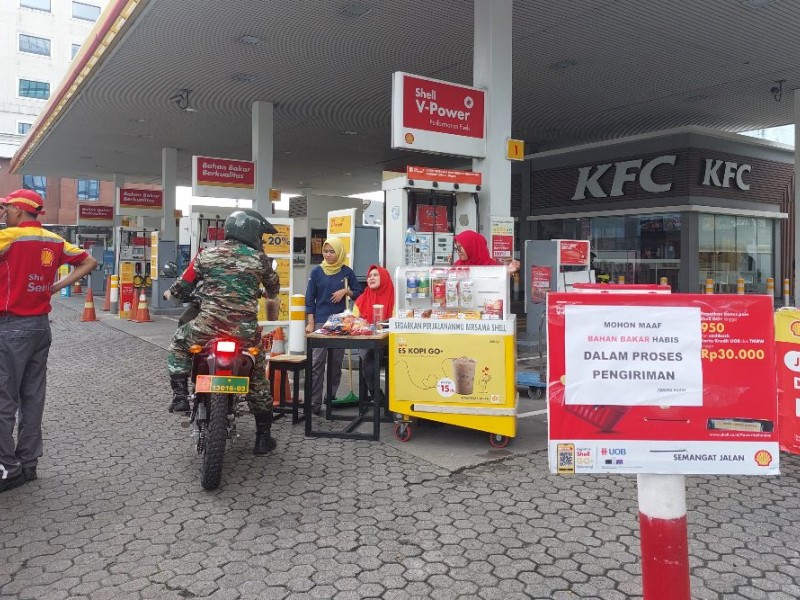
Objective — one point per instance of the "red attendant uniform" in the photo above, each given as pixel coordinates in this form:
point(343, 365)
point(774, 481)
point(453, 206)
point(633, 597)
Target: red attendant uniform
point(29, 260)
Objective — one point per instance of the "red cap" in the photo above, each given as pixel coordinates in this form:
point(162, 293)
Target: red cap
point(27, 200)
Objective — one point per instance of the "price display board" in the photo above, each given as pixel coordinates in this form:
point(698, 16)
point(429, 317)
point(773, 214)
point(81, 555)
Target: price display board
point(652, 383)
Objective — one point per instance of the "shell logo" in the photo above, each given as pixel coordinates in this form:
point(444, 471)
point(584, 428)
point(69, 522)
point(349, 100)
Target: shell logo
point(763, 458)
point(795, 328)
point(47, 257)
point(409, 138)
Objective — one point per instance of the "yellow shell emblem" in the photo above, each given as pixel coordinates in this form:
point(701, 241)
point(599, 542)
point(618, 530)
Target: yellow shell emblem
point(47, 257)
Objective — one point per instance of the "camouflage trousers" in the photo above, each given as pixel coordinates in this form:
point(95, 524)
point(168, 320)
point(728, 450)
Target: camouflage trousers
point(201, 331)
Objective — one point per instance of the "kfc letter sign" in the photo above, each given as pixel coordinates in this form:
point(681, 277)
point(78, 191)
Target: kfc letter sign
point(435, 116)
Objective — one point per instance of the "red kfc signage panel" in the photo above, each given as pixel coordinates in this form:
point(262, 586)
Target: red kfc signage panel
point(138, 198)
point(225, 172)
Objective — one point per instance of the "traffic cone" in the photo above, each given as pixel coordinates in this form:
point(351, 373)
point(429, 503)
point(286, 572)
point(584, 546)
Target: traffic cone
point(278, 342)
point(88, 307)
point(107, 300)
point(76, 287)
point(142, 312)
point(134, 305)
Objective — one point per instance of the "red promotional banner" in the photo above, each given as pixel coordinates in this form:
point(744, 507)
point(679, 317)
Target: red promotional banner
point(787, 349)
point(574, 252)
point(541, 280)
point(137, 198)
point(443, 175)
point(431, 217)
point(442, 107)
point(95, 212)
point(225, 172)
point(662, 383)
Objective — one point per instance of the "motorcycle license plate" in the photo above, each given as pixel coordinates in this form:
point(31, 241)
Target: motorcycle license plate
point(221, 384)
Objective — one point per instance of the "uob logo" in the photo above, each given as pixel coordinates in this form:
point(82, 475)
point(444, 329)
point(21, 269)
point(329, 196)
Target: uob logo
point(612, 451)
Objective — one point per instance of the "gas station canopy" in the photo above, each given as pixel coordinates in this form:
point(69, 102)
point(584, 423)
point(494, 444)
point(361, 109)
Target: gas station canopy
point(185, 73)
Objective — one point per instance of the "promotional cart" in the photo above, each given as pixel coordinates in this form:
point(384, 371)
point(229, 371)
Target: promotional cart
point(452, 350)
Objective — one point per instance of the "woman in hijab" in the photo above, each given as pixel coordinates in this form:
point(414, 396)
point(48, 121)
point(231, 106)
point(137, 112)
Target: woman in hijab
point(473, 251)
point(328, 287)
point(380, 292)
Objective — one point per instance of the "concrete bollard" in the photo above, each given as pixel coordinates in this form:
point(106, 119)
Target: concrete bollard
point(786, 293)
point(297, 324)
point(770, 286)
point(740, 286)
point(709, 286)
point(115, 294)
point(621, 280)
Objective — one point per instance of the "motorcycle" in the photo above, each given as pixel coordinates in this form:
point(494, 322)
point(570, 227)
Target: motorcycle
point(220, 375)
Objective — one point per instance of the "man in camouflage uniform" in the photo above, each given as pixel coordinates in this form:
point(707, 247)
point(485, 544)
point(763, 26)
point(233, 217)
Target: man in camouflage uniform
point(230, 275)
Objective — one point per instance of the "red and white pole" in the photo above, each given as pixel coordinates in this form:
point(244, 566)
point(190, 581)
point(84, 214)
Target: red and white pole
point(664, 541)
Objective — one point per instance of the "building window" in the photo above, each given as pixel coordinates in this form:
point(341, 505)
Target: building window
point(75, 49)
point(23, 128)
point(88, 189)
point(733, 247)
point(34, 45)
point(34, 89)
point(36, 4)
point(37, 183)
point(85, 12)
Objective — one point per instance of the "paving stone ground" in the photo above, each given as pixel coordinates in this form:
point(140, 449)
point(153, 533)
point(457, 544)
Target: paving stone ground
point(118, 512)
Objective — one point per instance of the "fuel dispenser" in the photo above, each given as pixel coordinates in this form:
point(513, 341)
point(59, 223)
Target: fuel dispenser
point(133, 263)
point(552, 266)
point(424, 215)
point(207, 227)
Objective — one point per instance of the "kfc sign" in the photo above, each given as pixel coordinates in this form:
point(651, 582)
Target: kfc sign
point(624, 172)
point(731, 172)
point(436, 116)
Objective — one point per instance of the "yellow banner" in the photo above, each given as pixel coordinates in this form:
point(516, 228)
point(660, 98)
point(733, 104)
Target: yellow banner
point(339, 224)
point(154, 255)
point(284, 265)
point(278, 243)
point(126, 272)
point(787, 326)
point(450, 368)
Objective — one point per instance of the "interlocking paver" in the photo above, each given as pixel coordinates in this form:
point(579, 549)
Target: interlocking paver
point(117, 511)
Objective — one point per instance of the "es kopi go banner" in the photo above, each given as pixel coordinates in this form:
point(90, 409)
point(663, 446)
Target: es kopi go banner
point(661, 383)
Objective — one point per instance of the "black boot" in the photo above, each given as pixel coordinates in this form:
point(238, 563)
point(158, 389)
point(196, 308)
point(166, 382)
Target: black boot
point(180, 393)
point(264, 442)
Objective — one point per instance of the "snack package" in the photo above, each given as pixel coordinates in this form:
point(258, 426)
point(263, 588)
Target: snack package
point(493, 309)
point(451, 293)
point(346, 324)
point(438, 292)
point(466, 288)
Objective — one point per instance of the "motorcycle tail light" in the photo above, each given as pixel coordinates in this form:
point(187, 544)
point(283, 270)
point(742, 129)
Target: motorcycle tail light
point(226, 347)
point(195, 349)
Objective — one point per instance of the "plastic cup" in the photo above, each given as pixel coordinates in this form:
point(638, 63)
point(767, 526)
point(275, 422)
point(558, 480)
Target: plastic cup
point(273, 309)
point(377, 315)
point(464, 374)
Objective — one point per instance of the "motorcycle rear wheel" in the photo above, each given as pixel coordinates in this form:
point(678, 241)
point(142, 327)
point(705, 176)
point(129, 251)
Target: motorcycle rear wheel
point(216, 434)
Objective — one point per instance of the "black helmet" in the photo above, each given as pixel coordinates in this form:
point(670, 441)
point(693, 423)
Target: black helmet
point(247, 226)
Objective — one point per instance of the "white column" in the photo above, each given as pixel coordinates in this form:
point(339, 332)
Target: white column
point(263, 154)
point(169, 183)
point(794, 268)
point(492, 71)
point(119, 182)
